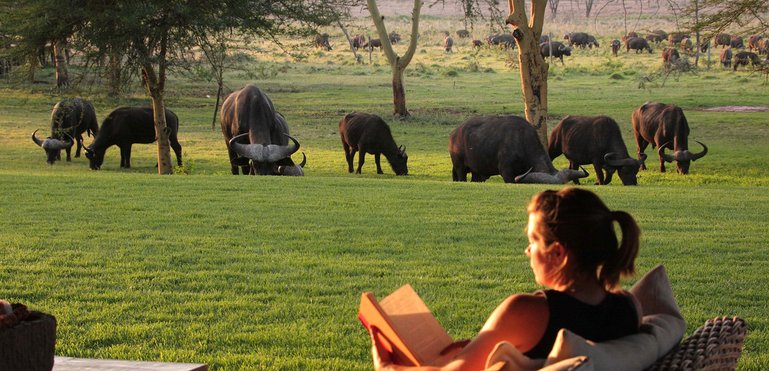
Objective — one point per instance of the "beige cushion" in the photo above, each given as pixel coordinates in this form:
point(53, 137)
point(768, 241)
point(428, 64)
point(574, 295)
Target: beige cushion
point(662, 327)
point(654, 293)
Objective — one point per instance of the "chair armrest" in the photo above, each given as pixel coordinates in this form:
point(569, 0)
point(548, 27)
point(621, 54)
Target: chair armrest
point(715, 345)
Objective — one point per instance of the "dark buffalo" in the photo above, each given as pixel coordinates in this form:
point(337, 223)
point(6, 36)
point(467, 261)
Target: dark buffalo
point(544, 39)
point(615, 45)
point(736, 42)
point(358, 41)
point(372, 43)
point(580, 39)
point(745, 58)
point(664, 126)
point(126, 126)
point(591, 41)
point(248, 116)
point(726, 57)
point(70, 118)
point(763, 47)
point(394, 37)
point(477, 43)
point(503, 145)
point(321, 41)
point(674, 38)
point(686, 45)
point(368, 133)
point(638, 44)
point(463, 34)
point(657, 36)
point(503, 40)
point(594, 140)
point(722, 39)
point(670, 55)
point(557, 48)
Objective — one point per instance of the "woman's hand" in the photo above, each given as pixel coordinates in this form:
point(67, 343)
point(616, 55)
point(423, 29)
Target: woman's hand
point(382, 357)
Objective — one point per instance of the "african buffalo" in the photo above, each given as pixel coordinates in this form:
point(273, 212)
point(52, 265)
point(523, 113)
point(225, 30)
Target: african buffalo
point(248, 116)
point(615, 45)
point(372, 43)
point(503, 40)
point(557, 48)
point(463, 34)
point(664, 126)
point(674, 38)
point(657, 36)
point(448, 43)
point(722, 39)
point(726, 57)
point(580, 39)
point(368, 133)
point(70, 118)
point(321, 41)
point(358, 41)
point(754, 42)
point(745, 58)
point(394, 37)
point(686, 45)
point(638, 44)
point(669, 56)
point(126, 126)
point(594, 140)
point(506, 146)
point(736, 42)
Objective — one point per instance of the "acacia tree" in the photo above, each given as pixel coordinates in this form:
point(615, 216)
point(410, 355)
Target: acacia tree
point(397, 63)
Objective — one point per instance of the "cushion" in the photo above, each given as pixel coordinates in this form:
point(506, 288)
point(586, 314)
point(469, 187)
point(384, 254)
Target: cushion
point(654, 293)
point(662, 327)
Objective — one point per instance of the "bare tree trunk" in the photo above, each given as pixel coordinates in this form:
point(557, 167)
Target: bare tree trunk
point(553, 8)
point(588, 7)
point(155, 86)
point(397, 63)
point(60, 62)
point(533, 66)
point(358, 58)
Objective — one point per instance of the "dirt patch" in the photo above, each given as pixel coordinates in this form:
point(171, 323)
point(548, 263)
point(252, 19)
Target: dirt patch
point(736, 109)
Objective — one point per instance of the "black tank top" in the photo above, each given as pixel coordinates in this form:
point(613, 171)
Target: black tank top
point(613, 318)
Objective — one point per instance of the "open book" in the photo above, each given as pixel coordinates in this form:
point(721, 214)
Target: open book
point(406, 326)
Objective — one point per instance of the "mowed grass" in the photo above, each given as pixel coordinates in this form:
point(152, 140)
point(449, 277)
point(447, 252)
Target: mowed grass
point(266, 272)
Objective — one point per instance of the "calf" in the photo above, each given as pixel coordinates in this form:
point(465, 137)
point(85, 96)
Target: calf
point(557, 49)
point(615, 45)
point(368, 133)
point(594, 140)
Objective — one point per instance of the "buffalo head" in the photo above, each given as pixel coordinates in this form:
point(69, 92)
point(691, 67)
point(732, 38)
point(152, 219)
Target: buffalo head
point(263, 156)
point(627, 168)
point(682, 157)
point(52, 146)
point(399, 162)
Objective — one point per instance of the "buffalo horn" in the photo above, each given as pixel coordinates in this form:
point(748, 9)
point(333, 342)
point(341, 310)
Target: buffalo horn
point(663, 155)
point(560, 177)
point(37, 141)
point(699, 155)
point(262, 153)
point(293, 170)
point(614, 162)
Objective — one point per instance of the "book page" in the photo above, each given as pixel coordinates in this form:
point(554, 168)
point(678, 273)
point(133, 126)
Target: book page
point(414, 325)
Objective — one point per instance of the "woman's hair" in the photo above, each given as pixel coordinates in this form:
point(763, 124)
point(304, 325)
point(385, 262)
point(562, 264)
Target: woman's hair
point(582, 223)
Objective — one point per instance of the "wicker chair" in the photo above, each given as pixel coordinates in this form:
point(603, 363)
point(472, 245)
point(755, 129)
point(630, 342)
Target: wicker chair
point(716, 345)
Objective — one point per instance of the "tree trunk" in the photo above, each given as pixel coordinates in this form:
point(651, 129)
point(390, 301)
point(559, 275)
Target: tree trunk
point(60, 61)
point(533, 67)
point(154, 87)
point(397, 63)
point(114, 75)
point(399, 93)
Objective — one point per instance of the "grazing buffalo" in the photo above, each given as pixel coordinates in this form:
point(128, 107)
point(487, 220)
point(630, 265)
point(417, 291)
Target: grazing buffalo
point(321, 41)
point(580, 39)
point(745, 58)
point(477, 43)
point(686, 45)
point(372, 43)
point(256, 135)
point(763, 47)
point(722, 39)
point(126, 126)
point(557, 49)
point(503, 145)
point(368, 133)
point(754, 41)
point(503, 40)
point(726, 57)
point(657, 36)
point(448, 43)
point(736, 42)
point(358, 41)
point(669, 56)
point(463, 34)
point(70, 118)
point(615, 45)
point(594, 140)
point(638, 44)
point(664, 126)
point(394, 37)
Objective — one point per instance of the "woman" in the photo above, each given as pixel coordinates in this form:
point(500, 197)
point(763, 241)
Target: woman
point(573, 250)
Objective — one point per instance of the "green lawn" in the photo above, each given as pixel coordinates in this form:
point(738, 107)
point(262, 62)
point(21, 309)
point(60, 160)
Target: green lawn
point(266, 272)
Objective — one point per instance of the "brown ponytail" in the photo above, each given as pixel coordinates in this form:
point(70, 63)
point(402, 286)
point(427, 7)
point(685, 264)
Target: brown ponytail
point(622, 262)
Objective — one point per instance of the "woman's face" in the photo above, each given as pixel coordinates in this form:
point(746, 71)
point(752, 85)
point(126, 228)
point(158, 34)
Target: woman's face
point(538, 253)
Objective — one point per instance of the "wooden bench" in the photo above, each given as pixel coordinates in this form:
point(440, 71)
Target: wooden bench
point(89, 364)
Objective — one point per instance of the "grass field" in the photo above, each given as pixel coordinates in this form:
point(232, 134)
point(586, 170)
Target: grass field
point(266, 272)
